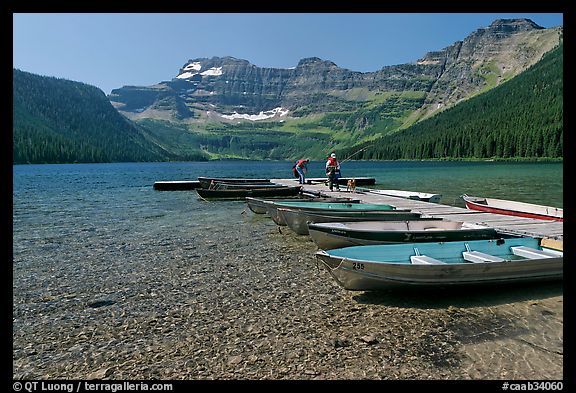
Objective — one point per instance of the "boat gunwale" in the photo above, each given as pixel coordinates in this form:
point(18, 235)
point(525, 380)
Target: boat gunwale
point(346, 207)
point(501, 245)
point(465, 226)
point(440, 266)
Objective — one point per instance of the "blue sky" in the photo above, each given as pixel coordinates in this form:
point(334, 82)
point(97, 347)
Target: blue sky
point(110, 50)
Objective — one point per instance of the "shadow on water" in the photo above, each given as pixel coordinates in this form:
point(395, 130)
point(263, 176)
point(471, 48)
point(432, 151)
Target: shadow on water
point(464, 297)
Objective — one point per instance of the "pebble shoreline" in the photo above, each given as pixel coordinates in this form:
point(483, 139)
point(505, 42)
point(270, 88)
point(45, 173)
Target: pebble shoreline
point(247, 300)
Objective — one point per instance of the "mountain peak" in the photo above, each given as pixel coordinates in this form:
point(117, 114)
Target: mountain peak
point(511, 25)
point(308, 61)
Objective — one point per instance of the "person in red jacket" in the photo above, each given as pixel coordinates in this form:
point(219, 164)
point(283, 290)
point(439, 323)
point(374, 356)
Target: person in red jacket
point(333, 172)
point(302, 168)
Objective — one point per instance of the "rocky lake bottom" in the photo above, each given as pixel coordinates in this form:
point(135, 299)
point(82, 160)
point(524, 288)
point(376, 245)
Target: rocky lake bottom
point(234, 296)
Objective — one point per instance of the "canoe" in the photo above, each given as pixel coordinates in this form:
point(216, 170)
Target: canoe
point(331, 235)
point(260, 205)
point(298, 220)
point(243, 193)
point(419, 196)
point(445, 264)
point(205, 181)
point(513, 208)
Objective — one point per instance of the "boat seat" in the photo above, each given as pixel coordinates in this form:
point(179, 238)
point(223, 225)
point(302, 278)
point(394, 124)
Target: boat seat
point(532, 253)
point(425, 260)
point(480, 257)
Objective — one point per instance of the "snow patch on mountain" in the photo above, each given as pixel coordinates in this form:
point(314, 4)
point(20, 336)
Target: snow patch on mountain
point(260, 116)
point(196, 66)
point(214, 71)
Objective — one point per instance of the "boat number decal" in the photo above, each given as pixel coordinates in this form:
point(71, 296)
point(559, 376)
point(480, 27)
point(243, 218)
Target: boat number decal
point(357, 266)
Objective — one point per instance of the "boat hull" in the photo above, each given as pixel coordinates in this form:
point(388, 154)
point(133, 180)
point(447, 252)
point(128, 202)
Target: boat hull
point(298, 220)
point(338, 235)
point(365, 274)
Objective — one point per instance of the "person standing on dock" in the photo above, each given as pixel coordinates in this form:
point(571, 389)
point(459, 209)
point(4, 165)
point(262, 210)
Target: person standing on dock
point(333, 172)
point(302, 169)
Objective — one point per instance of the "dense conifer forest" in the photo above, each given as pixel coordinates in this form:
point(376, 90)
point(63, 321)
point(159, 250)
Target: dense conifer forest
point(521, 118)
point(57, 120)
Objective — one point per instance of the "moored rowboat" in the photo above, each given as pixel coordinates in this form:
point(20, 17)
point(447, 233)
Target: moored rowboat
point(442, 264)
point(243, 193)
point(319, 207)
point(206, 181)
point(331, 235)
point(336, 206)
point(513, 208)
point(227, 186)
point(260, 205)
point(298, 220)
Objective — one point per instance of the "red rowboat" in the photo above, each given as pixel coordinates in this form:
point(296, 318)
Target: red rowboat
point(513, 208)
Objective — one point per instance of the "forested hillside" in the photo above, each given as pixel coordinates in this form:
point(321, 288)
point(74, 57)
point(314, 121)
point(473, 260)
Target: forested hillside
point(57, 120)
point(520, 118)
point(60, 121)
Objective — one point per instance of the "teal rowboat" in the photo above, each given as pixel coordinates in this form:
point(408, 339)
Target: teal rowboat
point(259, 205)
point(461, 263)
point(318, 206)
point(327, 208)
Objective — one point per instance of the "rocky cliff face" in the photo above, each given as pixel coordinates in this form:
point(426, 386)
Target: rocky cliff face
point(486, 58)
point(230, 89)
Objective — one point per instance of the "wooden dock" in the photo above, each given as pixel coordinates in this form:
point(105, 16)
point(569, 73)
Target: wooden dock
point(551, 232)
point(360, 181)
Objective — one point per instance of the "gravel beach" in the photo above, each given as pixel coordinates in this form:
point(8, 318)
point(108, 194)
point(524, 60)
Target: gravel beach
point(246, 300)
